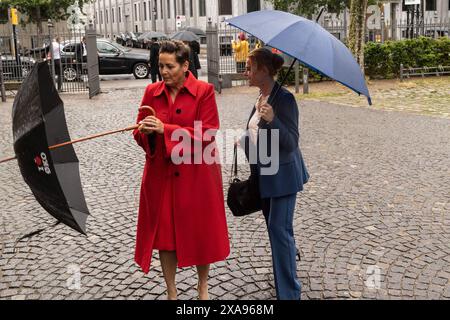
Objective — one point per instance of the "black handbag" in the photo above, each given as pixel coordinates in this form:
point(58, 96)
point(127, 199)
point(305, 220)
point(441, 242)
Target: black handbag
point(243, 197)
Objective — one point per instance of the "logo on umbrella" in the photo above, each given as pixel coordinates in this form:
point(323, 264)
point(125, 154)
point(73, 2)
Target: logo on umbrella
point(42, 163)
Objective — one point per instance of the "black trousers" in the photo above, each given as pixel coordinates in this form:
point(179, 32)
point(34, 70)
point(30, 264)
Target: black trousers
point(58, 72)
point(154, 74)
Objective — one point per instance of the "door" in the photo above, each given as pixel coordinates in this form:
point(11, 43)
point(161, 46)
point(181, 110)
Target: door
point(111, 59)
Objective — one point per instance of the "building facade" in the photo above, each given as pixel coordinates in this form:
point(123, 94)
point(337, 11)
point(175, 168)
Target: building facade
point(114, 16)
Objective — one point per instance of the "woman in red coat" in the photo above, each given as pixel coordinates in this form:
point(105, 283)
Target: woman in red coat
point(181, 211)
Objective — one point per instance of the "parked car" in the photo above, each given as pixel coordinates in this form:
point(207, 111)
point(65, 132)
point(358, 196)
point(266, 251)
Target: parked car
point(14, 71)
point(113, 59)
point(132, 39)
point(121, 39)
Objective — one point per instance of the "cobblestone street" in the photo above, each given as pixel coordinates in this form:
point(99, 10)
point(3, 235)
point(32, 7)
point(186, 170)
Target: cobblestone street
point(373, 222)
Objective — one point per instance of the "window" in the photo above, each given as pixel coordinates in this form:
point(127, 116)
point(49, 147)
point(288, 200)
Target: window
point(145, 11)
point(253, 5)
point(104, 47)
point(135, 11)
point(106, 15)
point(202, 8)
point(175, 7)
point(225, 7)
point(112, 15)
point(120, 14)
point(183, 7)
point(156, 8)
point(101, 17)
point(96, 16)
point(70, 48)
point(162, 9)
point(191, 8)
point(168, 9)
point(430, 5)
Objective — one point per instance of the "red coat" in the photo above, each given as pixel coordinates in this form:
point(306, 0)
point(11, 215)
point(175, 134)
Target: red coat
point(196, 194)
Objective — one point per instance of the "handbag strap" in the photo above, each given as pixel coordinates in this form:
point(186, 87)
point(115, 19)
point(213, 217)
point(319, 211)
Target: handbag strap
point(234, 165)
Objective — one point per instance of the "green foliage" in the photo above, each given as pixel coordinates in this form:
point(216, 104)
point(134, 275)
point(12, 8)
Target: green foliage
point(37, 11)
point(383, 60)
point(308, 8)
point(313, 76)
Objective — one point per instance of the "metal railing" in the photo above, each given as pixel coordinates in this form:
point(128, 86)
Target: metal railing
point(18, 57)
point(423, 71)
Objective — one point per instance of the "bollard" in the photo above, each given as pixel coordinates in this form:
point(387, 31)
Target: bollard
point(305, 81)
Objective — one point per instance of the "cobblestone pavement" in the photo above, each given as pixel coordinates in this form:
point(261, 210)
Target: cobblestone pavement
point(373, 222)
point(427, 96)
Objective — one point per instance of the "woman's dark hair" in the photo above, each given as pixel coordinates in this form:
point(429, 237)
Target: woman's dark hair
point(176, 47)
point(263, 57)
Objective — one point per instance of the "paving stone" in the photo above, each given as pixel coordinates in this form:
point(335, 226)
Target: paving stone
point(376, 198)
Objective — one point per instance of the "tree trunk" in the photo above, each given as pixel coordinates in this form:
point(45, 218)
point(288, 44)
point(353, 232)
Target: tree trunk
point(357, 31)
point(39, 21)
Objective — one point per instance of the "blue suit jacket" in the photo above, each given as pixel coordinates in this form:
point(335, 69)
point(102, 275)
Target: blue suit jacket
point(292, 173)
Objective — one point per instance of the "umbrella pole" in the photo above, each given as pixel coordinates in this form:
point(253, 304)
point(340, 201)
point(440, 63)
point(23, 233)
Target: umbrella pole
point(283, 81)
point(143, 108)
point(7, 159)
point(81, 139)
point(92, 137)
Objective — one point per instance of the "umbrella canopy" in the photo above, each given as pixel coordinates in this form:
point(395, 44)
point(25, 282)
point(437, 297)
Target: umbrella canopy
point(152, 34)
point(199, 32)
point(52, 174)
point(306, 41)
point(185, 36)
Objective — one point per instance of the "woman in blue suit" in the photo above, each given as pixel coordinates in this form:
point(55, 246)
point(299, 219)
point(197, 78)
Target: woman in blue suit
point(276, 163)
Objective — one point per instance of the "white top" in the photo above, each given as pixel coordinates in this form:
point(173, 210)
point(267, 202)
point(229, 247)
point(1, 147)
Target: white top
point(253, 123)
point(57, 48)
point(84, 50)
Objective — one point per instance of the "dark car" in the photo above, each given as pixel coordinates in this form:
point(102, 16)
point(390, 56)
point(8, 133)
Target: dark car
point(132, 39)
point(113, 59)
point(14, 71)
point(121, 39)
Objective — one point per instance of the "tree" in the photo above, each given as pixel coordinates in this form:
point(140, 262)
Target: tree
point(357, 33)
point(37, 11)
point(307, 8)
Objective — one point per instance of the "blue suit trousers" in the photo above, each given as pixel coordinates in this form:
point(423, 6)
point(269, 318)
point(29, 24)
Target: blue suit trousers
point(279, 215)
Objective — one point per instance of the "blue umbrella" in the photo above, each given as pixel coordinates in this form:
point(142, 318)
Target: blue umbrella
point(306, 41)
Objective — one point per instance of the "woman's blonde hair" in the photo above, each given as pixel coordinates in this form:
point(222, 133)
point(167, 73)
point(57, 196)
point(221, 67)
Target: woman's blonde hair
point(263, 57)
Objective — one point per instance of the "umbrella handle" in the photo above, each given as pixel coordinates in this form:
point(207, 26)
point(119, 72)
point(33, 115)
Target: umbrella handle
point(80, 140)
point(93, 137)
point(7, 159)
point(146, 109)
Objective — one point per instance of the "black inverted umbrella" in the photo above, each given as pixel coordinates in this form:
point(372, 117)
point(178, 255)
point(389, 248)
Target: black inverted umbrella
point(52, 174)
point(185, 36)
point(199, 32)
